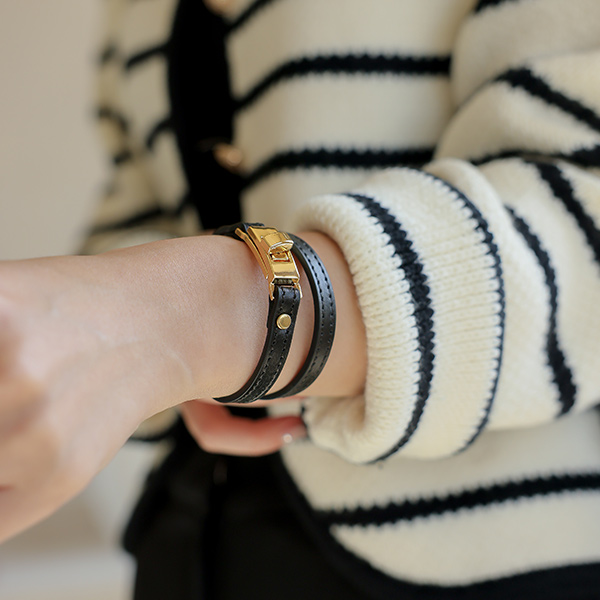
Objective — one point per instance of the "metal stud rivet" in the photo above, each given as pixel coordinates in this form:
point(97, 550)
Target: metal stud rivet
point(284, 321)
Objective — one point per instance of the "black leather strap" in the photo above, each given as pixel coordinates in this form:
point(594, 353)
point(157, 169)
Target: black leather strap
point(277, 345)
point(325, 318)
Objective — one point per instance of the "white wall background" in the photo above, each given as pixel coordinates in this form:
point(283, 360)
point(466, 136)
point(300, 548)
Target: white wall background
point(50, 171)
point(50, 164)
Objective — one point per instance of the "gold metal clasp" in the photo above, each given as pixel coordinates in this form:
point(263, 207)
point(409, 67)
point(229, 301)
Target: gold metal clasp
point(273, 250)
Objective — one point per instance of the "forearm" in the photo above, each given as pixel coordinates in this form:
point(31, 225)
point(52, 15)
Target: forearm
point(91, 346)
point(215, 301)
point(224, 345)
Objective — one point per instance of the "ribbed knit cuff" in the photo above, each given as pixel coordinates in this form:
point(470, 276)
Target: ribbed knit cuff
point(429, 284)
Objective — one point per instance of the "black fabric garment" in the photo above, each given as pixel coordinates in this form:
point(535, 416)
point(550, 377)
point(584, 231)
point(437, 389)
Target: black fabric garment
point(201, 111)
point(211, 527)
point(166, 528)
point(261, 549)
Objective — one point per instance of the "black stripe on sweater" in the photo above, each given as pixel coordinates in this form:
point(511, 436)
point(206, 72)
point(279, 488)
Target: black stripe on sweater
point(145, 55)
point(144, 217)
point(156, 130)
point(121, 158)
point(105, 113)
point(131, 221)
point(483, 4)
point(563, 191)
point(340, 159)
point(535, 86)
point(349, 65)
point(467, 500)
point(421, 301)
point(573, 582)
point(586, 157)
point(488, 240)
point(247, 14)
point(562, 374)
point(107, 54)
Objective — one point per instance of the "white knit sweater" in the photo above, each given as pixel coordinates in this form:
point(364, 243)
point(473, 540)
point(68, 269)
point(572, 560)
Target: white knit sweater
point(473, 453)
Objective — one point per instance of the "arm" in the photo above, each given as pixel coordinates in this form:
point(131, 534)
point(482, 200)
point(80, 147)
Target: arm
point(90, 346)
point(71, 322)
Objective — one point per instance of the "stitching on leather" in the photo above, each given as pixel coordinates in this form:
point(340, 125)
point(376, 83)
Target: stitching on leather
point(313, 259)
point(329, 293)
point(284, 341)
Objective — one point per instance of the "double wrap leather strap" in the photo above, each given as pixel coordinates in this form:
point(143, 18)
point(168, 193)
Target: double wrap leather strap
point(272, 250)
point(324, 329)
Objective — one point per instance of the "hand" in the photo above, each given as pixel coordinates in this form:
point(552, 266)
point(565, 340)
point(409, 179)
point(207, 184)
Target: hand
point(217, 430)
point(92, 346)
point(83, 360)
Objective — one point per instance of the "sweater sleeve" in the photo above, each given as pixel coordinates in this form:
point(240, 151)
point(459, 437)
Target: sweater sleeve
point(478, 276)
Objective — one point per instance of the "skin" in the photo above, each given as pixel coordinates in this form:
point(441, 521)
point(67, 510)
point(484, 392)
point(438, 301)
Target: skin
point(91, 346)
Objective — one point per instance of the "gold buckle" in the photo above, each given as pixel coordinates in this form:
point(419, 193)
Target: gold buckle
point(273, 250)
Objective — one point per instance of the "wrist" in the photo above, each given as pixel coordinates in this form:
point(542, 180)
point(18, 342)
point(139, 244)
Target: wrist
point(201, 303)
point(244, 329)
point(345, 371)
point(216, 301)
point(265, 363)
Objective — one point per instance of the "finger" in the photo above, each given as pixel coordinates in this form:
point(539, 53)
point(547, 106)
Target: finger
point(218, 431)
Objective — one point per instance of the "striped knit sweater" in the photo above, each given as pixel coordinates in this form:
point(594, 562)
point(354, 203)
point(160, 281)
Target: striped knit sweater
point(452, 149)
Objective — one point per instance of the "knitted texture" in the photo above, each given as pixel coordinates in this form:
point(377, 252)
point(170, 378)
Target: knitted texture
point(451, 148)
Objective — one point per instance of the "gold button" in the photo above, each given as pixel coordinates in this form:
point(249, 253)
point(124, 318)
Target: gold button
point(284, 321)
point(228, 156)
point(219, 7)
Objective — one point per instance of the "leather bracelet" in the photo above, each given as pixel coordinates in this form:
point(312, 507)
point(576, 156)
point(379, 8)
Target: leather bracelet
point(325, 319)
point(273, 250)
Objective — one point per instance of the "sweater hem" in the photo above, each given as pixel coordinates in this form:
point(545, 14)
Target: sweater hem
point(575, 582)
